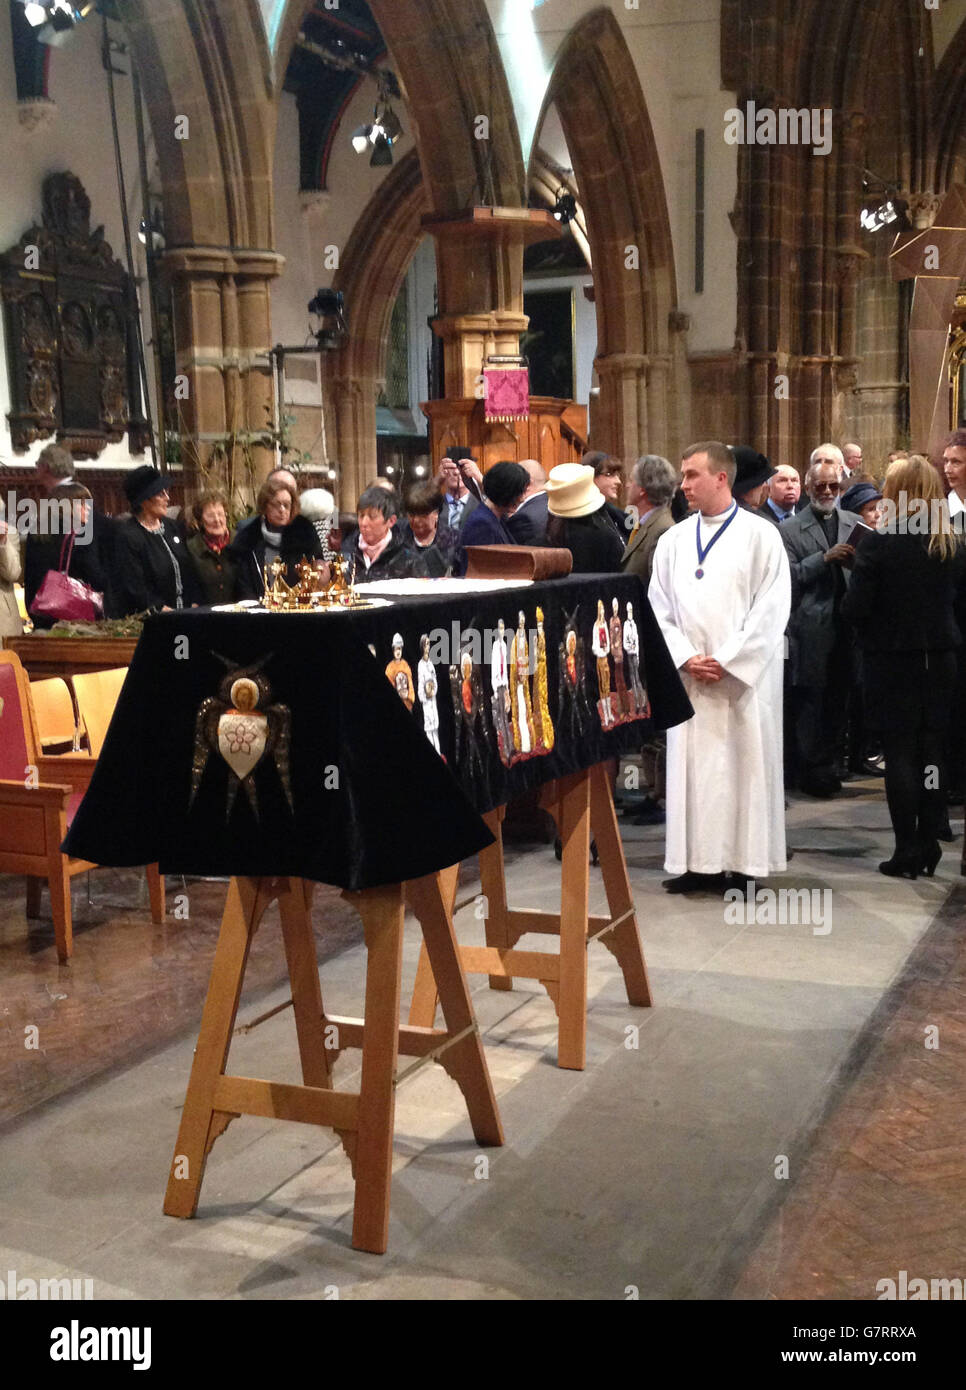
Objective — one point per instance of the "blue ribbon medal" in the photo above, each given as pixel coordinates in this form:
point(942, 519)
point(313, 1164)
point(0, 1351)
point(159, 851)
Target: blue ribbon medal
point(703, 550)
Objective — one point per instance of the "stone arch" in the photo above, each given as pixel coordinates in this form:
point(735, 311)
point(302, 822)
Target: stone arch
point(605, 121)
point(371, 273)
point(455, 39)
point(207, 61)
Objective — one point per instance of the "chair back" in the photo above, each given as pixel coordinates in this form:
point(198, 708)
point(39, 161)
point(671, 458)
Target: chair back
point(97, 693)
point(18, 737)
point(53, 711)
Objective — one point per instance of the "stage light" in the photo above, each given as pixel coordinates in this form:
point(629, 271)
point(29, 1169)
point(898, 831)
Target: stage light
point(872, 219)
point(360, 139)
point(381, 152)
point(35, 14)
point(328, 307)
point(565, 208)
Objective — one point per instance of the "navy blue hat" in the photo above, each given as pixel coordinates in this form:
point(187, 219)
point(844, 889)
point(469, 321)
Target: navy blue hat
point(142, 483)
point(859, 495)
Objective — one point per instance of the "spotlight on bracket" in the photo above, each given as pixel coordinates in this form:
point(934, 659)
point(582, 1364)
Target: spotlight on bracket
point(565, 208)
point(328, 306)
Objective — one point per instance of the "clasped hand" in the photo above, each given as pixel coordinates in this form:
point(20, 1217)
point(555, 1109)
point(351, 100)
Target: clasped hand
point(704, 668)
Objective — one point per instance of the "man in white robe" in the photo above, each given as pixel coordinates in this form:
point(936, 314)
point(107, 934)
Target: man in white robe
point(721, 592)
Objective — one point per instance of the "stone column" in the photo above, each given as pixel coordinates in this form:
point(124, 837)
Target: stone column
point(351, 400)
point(222, 317)
point(479, 258)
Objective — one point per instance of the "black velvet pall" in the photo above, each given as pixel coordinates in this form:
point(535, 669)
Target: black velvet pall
point(374, 803)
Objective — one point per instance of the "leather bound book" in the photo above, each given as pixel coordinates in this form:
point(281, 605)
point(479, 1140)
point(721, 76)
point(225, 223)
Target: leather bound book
point(517, 562)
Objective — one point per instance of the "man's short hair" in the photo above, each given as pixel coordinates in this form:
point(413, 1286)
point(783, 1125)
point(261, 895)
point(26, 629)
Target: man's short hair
point(378, 499)
point(657, 476)
point(57, 460)
point(505, 483)
point(957, 440)
point(720, 457)
point(832, 449)
point(423, 498)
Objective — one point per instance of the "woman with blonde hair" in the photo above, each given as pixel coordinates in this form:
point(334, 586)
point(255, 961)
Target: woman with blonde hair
point(900, 600)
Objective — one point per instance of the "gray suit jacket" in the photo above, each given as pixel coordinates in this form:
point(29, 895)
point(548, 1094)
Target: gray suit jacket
point(638, 554)
point(813, 626)
point(448, 537)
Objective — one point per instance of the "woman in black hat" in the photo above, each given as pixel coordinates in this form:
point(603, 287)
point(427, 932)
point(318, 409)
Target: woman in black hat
point(751, 475)
point(154, 570)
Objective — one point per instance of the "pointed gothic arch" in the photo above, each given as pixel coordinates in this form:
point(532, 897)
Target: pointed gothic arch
point(605, 121)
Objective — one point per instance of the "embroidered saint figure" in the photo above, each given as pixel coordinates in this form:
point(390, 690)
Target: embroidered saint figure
point(500, 688)
point(242, 733)
point(600, 646)
point(573, 706)
point(542, 723)
point(632, 646)
point(400, 673)
point(426, 687)
point(523, 736)
point(617, 656)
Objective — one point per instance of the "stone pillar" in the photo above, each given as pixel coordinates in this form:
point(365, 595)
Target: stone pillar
point(222, 318)
point(352, 402)
point(479, 259)
point(623, 419)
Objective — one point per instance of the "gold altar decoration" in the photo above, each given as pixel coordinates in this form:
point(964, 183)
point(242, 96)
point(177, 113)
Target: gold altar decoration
point(312, 591)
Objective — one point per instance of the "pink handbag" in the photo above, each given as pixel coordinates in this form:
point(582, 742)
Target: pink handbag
point(63, 598)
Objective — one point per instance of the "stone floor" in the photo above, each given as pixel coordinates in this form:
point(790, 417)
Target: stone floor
point(659, 1170)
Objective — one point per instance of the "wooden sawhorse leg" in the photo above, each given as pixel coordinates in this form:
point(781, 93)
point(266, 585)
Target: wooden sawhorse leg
point(579, 803)
point(364, 1121)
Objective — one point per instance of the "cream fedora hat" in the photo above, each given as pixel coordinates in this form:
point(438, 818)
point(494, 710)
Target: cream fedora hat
point(571, 490)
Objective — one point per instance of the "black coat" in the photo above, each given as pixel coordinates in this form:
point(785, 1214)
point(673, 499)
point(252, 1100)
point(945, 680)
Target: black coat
point(592, 540)
point(397, 561)
point(901, 598)
point(528, 524)
point(145, 576)
point(300, 541)
point(90, 561)
point(217, 572)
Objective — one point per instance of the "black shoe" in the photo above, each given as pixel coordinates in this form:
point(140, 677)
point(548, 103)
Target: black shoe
point(739, 881)
point(945, 832)
point(695, 883)
point(823, 787)
point(930, 856)
point(901, 865)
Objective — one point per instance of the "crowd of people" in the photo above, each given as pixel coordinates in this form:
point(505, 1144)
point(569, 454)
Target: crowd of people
point(872, 631)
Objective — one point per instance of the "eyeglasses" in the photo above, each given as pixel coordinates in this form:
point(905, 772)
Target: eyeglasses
point(825, 487)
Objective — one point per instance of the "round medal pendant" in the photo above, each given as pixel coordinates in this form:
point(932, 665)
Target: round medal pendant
point(699, 574)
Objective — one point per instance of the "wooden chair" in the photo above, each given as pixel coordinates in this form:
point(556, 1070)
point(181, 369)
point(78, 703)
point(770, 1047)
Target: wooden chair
point(96, 693)
point(39, 794)
point(56, 720)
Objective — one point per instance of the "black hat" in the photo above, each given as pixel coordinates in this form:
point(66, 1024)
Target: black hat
point(458, 454)
point(143, 483)
point(860, 495)
point(753, 469)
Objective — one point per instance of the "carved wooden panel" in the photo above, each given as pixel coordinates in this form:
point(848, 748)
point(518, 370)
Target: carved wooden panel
point(71, 325)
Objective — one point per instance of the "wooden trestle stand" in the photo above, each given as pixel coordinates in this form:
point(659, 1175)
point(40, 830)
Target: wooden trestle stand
point(577, 803)
point(363, 1120)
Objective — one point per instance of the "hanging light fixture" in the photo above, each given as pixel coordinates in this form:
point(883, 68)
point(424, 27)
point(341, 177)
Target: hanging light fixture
point(565, 208)
point(384, 129)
